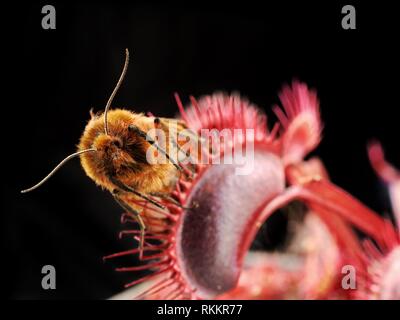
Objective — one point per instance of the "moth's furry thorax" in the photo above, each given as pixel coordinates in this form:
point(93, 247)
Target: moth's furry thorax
point(122, 153)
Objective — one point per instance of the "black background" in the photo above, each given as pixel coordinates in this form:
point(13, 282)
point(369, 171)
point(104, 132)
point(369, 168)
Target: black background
point(56, 76)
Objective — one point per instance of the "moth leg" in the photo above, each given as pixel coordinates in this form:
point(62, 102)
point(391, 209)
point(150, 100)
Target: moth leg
point(127, 188)
point(144, 135)
point(135, 215)
point(189, 133)
point(158, 122)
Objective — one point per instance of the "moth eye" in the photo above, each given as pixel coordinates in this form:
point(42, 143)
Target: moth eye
point(117, 143)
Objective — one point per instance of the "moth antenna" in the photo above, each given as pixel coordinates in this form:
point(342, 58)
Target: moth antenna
point(56, 168)
point(121, 78)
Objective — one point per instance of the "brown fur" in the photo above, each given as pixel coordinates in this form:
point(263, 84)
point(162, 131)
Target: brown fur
point(128, 159)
